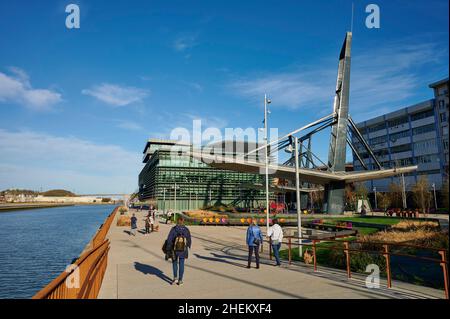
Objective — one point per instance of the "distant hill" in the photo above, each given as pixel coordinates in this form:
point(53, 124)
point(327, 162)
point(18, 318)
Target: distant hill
point(59, 193)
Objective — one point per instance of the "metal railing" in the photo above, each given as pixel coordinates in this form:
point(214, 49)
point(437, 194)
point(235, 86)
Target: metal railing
point(83, 279)
point(385, 251)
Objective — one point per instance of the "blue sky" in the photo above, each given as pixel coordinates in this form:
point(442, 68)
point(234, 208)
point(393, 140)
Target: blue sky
point(77, 105)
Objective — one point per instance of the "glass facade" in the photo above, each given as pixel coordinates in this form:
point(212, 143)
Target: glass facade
point(171, 180)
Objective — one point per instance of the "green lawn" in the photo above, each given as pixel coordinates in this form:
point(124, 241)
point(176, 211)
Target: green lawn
point(372, 220)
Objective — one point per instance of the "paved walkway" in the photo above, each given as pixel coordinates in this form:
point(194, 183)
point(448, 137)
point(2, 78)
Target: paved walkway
point(216, 269)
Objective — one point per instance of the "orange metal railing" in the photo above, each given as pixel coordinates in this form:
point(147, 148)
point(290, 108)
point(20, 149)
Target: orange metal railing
point(84, 278)
point(385, 251)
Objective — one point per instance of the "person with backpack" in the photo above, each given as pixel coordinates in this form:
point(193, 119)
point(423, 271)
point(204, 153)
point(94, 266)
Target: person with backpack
point(254, 239)
point(275, 233)
point(133, 224)
point(177, 244)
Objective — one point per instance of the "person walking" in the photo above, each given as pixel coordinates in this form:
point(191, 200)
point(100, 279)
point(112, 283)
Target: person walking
point(254, 239)
point(152, 222)
point(275, 233)
point(133, 224)
point(178, 244)
point(147, 224)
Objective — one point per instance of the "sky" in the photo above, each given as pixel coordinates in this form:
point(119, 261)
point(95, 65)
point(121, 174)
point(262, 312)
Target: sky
point(78, 105)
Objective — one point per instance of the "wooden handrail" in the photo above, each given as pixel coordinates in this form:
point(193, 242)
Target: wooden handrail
point(91, 266)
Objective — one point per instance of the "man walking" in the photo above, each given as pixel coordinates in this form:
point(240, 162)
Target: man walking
point(178, 243)
point(133, 223)
point(275, 233)
point(254, 239)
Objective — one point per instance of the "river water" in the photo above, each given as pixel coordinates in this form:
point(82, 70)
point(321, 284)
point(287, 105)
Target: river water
point(36, 245)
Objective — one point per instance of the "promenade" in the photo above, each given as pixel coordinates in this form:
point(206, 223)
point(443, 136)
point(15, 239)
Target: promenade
point(216, 268)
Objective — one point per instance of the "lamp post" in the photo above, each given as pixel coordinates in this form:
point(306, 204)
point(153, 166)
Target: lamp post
point(434, 195)
point(375, 192)
point(164, 198)
point(297, 191)
point(266, 111)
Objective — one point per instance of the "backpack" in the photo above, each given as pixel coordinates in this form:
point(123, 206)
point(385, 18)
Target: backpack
point(179, 243)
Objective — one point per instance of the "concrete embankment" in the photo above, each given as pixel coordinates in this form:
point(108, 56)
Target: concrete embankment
point(21, 206)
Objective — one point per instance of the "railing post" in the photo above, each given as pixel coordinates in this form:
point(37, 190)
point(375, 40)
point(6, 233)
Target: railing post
point(388, 265)
point(314, 255)
point(444, 270)
point(270, 248)
point(289, 250)
point(347, 259)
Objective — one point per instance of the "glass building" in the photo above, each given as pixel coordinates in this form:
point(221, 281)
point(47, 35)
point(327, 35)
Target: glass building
point(172, 180)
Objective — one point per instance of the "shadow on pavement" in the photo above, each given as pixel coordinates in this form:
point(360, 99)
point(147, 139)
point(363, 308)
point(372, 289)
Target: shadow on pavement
point(221, 259)
point(150, 270)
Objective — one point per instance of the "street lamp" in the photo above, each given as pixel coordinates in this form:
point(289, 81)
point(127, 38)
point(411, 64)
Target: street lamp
point(266, 111)
point(297, 191)
point(434, 195)
point(375, 191)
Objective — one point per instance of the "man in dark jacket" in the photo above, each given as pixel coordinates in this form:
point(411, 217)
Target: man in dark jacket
point(178, 243)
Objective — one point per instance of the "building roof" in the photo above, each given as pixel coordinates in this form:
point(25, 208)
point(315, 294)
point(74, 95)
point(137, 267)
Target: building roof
point(438, 83)
point(162, 142)
point(306, 174)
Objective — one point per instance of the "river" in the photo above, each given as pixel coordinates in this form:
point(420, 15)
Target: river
point(37, 245)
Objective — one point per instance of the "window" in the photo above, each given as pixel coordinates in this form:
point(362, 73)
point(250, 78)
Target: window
point(443, 117)
point(401, 148)
point(445, 143)
point(441, 104)
point(422, 115)
point(424, 129)
point(394, 137)
point(398, 121)
point(426, 159)
point(377, 127)
point(425, 145)
point(378, 140)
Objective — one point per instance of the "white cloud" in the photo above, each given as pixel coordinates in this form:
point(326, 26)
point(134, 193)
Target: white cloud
point(17, 88)
point(184, 42)
point(32, 158)
point(116, 95)
point(384, 76)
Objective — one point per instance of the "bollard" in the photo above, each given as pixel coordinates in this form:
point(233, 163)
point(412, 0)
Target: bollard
point(444, 270)
point(388, 265)
point(347, 259)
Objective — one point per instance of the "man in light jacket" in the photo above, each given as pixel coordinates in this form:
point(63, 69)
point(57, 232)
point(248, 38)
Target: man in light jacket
point(275, 233)
point(254, 239)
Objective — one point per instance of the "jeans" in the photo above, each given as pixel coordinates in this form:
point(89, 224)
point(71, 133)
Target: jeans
point(276, 250)
point(175, 262)
point(250, 253)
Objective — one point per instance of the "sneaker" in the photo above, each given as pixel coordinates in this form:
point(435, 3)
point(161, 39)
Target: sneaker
point(180, 282)
point(248, 267)
point(257, 267)
point(174, 280)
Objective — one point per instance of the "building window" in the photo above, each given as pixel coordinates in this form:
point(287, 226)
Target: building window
point(424, 129)
point(425, 145)
point(443, 117)
point(401, 148)
point(394, 137)
point(398, 121)
point(422, 115)
point(445, 143)
point(441, 104)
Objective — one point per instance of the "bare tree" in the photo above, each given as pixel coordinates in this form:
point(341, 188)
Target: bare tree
point(395, 194)
point(384, 200)
point(361, 191)
point(421, 194)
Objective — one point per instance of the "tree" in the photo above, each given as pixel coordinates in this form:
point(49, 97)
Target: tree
point(383, 200)
point(361, 191)
point(421, 194)
point(395, 195)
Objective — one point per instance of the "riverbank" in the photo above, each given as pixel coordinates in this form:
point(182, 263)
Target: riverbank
point(22, 206)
